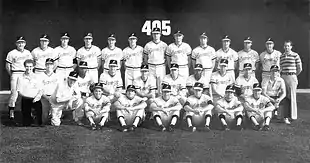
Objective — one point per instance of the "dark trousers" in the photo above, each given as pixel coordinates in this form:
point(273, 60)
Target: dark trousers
point(27, 105)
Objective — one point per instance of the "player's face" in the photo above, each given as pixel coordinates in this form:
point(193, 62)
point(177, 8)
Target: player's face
point(111, 42)
point(156, 36)
point(21, 45)
point(223, 68)
point(174, 73)
point(44, 43)
point(178, 38)
point(82, 71)
point(203, 40)
point(226, 44)
point(29, 68)
point(130, 94)
point(64, 41)
point(49, 67)
point(166, 95)
point(229, 95)
point(269, 46)
point(88, 41)
point(275, 73)
point(287, 47)
point(113, 70)
point(98, 93)
point(197, 93)
point(247, 45)
point(71, 82)
point(132, 42)
point(247, 72)
point(198, 72)
point(257, 93)
point(144, 74)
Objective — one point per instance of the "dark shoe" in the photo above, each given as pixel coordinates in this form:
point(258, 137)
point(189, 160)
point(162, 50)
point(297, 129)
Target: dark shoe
point(239, 127)
point(192, 129)
point(171, 128)
point(206, 129)
point(162, 128)
point(124, 129)
point(225, 128)
point(132, 128)
point(79, 123)
point(266, 128)
point(93, 126)
point(256, 127)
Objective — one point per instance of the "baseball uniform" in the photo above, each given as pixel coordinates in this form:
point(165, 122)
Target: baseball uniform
point(110, 83)
point(246, 85)
point(267, 60)
point(232, 56)
point(198, 104)
point(258, 104)
point(133, 59)
point(229, 105)
point(65, 58)
point(165, 106)
point(178, 87)
point(96, 108)
point(219, 83)
point(40, 57)
point(112, 54)
point(145, 86)
point(247, 57)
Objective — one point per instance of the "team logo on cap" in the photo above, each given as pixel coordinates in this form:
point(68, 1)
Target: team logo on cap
point(178, 33)
point(73, 75)
point(257, 86)
point(20, 39)
point(274, 68)
point(112, 36)
point(144, 67)
point(88, 35)
point(83, 64)
point(230, 88)
point(269, 41)
point(65, 35)
point(113, 63)
point(226, 38)
point(223, 62)
point(49, 60)
point(248, 39)
point(132, 36)
point(247, 66)
point(44, 37)
point(174, 66)
point(204, 34)
point(156, 30)
point(166, 87)
point(198, 66)
point(198, 86)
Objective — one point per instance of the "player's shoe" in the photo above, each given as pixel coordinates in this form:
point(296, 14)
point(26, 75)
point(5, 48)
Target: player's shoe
point(93, 126)
point(79, 123)
point(124, 128)
point(162, 128)
point(286, 121)
point(256, 127)
point(192, 128)
point(171, 128)
point(206, 129)
point(239, 127)
point(225, 128)
point(11, 114)
point(133, 128)
point(266, 128)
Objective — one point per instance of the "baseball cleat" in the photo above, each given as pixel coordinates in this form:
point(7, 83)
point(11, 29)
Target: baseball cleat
point(124, 129)
point(133, 128)
point(256, 127)
point(192, 129)
point(79, 123)
point(266, 128)
point(162, 128)
point(225, 128)
point(286, 121)
point(206, 129)
point(239, 127)
point(93, 127)
point(171, 128)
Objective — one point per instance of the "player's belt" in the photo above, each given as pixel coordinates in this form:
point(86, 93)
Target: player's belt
point(65, 67)
point(207, 68)
point(183, 65)
point(230, 70)
point(108, 69)
point(132, 67)
point(288, 73)
point(17, 71)
point(84, 94)
point(41, 69)
point(156, 64)
point(92, 68)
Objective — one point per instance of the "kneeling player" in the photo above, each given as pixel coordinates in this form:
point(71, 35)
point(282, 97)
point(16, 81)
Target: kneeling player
point(198, 108)
point(166, 108)
point(97, 107)
point(130, 109)
point(259, 107)
point(230, 108)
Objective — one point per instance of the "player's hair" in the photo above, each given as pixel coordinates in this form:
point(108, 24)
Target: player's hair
point(288, 41)
point(29, 61)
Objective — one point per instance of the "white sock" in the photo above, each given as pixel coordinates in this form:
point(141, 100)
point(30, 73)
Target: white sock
point(174, 120)
point(223, 122)
point(267, 120)
point(239, 121)
point(208, 119)
point(189, 122)
point(122, 121)
point(158, 121)
point(91, 120)
point(136, 122)
point(103, 120)
point(254, 121)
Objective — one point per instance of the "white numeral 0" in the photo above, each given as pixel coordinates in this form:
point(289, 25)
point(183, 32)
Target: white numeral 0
point(164, 25)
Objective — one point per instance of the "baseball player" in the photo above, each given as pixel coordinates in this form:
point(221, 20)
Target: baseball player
point(66, 96)
point(227, 53)
point(41, 53)
point(219, 81)
point(29, 88)
point(245, 82)
point(196, 77)
point(133, 56)
point(112, 82)
point(111, 52)
point(166, 108)
point(291, 67)
point(198, 108)
point(90, 54)
point(205, 55)
point(97, 107)
point(230, 108)
point(49, 81)
point(66, 56)
point(15, 68)
point(154, 55)
point(274, 89)
point(247, 55)
point(259, 107)
point(179, 53)
point(177, 83)
point(268, 58)
point(130, 109)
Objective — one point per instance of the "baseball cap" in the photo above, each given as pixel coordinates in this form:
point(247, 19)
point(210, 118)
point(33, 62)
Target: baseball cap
point(131, 87)
point(156, 30)
point(204, 34)
point(224, 62)
point(65, 35)
point(83, 64)
point(20, 39)
point(230, 88)
point(44, 37)
point(269, 41)
point(49, 60)
point(97, 85)
point(174, 66)
point(257, 86)
point(198, 86)
point(133, 36)
point(198, 66)
point(113, 63)
point(88, 35)
point(144, 67)
point(274, 68)
point(247, 66)
point(112, 37)
point(226, 38)
point(248, 39)
point(178, 33)
point(73, 75)
point(166, 87)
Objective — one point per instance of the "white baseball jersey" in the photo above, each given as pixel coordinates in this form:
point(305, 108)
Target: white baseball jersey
point(221, 82)
point(160, 102)
point(268, 60)
point(40, 56)
point(231, 55)
point(176, 85)
point(229, 105)
point(246, 84)
point(179, 53)
point(156, 52)
point(63, 91)
point(65, 56)
point(191, 80)
point(247, 57)
point(201, 102)
point(96, 105)
point(111, 82)
point(133, 57)
point(112, 54)
point(89, 55)
point(259, 103)
point(123, 100)
point(145, 86)
point(204, 56)
point(17, 58)
point(84, 83)
point(49, 83)
point(273, 88)
point(29, 85)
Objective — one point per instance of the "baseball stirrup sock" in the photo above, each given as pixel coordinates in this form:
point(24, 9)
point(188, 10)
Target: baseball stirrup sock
point(103, 120)
point(239, 119)
point(158, 120)
point(91, 120)
point(208, 119)
point(267, 120)
point(222, 118)
point(122, 121)
point(136, 122)
point(174, 120)
point(189, 121)
point(253, 119)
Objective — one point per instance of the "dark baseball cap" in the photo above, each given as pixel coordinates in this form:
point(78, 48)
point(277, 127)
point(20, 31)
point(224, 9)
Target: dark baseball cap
point(73, 75)
point(97, 85)
point(257, 87)
point(88, 35)
point(166, 87)
point(274, 68)
point(174, 66)
point(178, 33)
point(83, 64)
point(247, 66)
point(112, 36)
point(133, 36)
point(144, 67)
point(204, 34)
point(113, 63)
point(269, 41)
point(65, 35)
point(226, 38)
point(156, 30)
point(44, 37)
point(224, 62)
point(131, 87)
point(247, 39)
point(198, 66)
point(20, 39)
point(230, 88)
point(49, 60)
point(198, 86)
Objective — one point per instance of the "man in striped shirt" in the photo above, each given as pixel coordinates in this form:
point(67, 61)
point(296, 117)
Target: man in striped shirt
point(291, 67)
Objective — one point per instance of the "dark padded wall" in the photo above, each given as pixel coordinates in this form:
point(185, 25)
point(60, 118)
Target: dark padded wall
point(239, 18)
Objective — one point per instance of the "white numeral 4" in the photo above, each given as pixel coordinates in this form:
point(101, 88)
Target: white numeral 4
point(164, 25)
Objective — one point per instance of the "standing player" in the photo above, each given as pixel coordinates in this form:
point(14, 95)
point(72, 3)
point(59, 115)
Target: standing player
point(91, 54)
point(259, 107)
point(41, 53)
point(196, 77)
point(179, 53)
point(130, 108)
point(111, 52)
point(228, 53)
point(154, 55)
point(166, 108)
point(133, 56)
point(97, 107)
point(15, 68)
point(291, 67)
point(66, 56)
point(247, 55)
point(205, 55)
point(230, 108)
point(268, 58)
point(198, 107)
point(274, 89)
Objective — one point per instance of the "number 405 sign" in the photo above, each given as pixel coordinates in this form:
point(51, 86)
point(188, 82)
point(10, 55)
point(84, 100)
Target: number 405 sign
point(164, 25)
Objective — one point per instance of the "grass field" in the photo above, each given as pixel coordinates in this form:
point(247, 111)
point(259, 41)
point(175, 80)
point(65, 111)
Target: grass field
point(71, 143)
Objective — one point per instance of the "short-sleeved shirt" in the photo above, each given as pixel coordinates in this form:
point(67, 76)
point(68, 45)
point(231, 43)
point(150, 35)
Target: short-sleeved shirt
point(260, 103)
point(204, 56)
point(179, 53)
point(85, 83)
point(40, 56)
point(273, 88)
point(95, 104)
point(176, 84)
point(220, 82)
point(268, 60)
point(123, 100)
point(64, 91)
point(195, 102)
point(89, 55)
point(112, 54)
point(247, 57)
point(29, 85)
point(289, 62)
point(17, 58)
point(191, 80)
point(229, 105)
point(49, 83)
point(173, 101)
point(246, 85)
point(111, 82)
point(133, 57)
point(145, 86)
point(65, 56)
point(156, 52)
point(231, 55)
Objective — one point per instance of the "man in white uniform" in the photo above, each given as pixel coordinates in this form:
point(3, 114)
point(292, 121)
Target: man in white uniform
point(197, 77)
point(145, 84)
